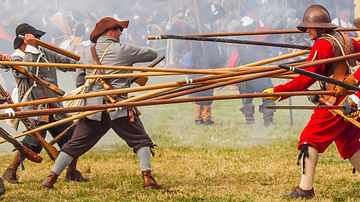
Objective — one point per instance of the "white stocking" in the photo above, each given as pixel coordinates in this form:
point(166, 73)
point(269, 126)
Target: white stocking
point(307, 177)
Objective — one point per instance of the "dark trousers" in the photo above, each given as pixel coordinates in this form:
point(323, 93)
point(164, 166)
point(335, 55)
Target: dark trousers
point(31, 142)
point(89, 132)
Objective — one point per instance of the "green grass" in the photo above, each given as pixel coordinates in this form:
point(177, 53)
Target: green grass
point(228, 161)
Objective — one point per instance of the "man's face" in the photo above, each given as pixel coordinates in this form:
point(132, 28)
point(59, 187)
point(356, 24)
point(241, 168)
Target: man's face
point(116, 33)
point(312, 33)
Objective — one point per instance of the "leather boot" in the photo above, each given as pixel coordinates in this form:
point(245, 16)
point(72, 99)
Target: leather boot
point(72, 174)
point(49, 181)
point(149, 181)
point(10, 173)
point(2, 187)
point(248, 110)
point(268, 114)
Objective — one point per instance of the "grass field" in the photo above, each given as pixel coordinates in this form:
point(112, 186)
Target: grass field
point(228, 161)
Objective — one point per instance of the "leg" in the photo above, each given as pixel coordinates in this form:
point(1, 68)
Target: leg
point(206, 115)
point(248, 108)
point(30, 142)
point(305, 188)
point(2, 187)
point(355, 160)
point(71, 174)
point(136, 137)
point(198, 119)
point(87, 134)
point(268, 114)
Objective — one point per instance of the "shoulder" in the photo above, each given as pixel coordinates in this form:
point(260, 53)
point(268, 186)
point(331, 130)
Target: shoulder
point(322, 45)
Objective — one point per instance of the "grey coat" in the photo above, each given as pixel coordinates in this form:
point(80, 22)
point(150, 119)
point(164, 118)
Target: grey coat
point(118, 55)
point(46, 73)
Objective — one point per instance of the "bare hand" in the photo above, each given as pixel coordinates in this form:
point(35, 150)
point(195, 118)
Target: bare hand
point(29, 39)
point(6, 57)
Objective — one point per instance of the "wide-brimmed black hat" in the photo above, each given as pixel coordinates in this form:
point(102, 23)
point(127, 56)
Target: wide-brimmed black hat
point(23, 29)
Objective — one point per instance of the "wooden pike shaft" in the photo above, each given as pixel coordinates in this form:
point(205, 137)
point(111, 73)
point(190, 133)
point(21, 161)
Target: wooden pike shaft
point(51, 150)
point(131, 75)
point(79, 116)
point(234, 41)
point(135, 89)
point(292, 31)
point(58, 50)
point(157, 102)
point(317, 62)
point(149, 69)
point(55, 48)
point(108, 67)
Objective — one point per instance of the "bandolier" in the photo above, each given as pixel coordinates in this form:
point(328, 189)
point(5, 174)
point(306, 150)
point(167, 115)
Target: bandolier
point(337, 70)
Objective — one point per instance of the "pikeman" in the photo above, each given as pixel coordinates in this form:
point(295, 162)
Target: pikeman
point(125, 122)
point(324, 127)
point(28, 51)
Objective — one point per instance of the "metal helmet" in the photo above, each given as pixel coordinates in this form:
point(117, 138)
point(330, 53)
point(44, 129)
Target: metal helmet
point(316, 16)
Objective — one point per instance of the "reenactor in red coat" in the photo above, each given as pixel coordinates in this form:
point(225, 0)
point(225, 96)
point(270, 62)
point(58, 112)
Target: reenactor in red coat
point(323, 127)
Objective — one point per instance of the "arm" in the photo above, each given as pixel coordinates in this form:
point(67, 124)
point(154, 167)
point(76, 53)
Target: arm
point(322, 49)
point(136, 54)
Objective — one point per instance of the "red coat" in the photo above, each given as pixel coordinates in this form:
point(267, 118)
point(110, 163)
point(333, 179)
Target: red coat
point(324, 128)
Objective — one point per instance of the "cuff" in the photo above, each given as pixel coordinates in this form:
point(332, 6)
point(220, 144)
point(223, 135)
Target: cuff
point(31, 49)
point(355, 99)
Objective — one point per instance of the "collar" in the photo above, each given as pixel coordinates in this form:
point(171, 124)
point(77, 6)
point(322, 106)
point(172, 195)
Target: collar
point(18, 53)
point(107, 39)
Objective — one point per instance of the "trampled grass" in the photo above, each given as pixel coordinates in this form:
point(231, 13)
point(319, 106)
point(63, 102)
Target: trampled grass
point(228, 161)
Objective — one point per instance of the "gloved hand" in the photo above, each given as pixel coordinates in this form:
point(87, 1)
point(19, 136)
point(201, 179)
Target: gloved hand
point(341, 91)
point(352, 106)
point(270, 90)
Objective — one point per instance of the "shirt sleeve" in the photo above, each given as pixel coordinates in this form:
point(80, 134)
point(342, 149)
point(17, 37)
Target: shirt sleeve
point(322, 49)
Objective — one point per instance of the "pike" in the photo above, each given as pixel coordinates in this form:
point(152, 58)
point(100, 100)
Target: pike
point(303, 107)
point(320, 77)
point(234, 41)
point(54, 48)
point(51, 150)
point(37, 79)
point(156, 102)
point(25, 151)
point(142, 80)
point(265, 32)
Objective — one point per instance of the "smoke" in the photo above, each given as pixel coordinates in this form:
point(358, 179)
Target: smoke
point(64, 20)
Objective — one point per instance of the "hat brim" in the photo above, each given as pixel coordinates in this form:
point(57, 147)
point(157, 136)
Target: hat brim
point(18, 41)
point(305, 25)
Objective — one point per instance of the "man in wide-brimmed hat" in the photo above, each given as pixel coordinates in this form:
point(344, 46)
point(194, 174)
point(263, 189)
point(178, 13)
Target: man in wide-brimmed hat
point(125, 122)
point(323, 127)
point(27, 50)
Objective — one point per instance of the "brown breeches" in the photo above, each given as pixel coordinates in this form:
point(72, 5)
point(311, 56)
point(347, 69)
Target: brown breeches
point(89, 132)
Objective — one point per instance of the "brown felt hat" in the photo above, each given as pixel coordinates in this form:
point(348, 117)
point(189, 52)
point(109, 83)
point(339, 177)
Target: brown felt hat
point(106, 24)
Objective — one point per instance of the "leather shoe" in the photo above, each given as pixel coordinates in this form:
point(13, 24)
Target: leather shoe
point(49, 181)
point(300, 193)
point(10, 176)
point(75, 175)
point(149, 181)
